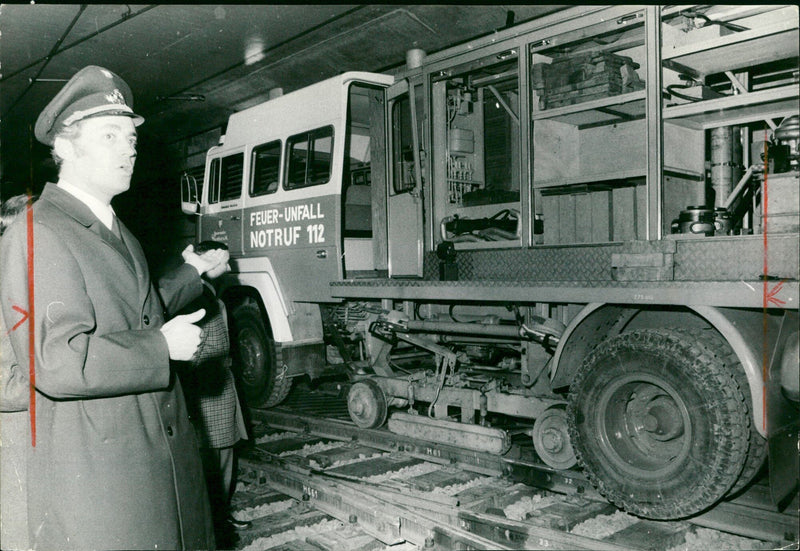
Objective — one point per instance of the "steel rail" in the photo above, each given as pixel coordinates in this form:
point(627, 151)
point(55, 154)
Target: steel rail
point(390, 517)
point(749, 515)
point(567, 482)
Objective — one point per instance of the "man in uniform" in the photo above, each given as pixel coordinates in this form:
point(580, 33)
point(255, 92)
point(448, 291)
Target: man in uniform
point(115, 462)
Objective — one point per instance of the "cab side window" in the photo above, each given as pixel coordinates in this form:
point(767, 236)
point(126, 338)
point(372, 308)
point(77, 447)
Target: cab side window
point(226, 178)
point(310, 157)
point(266, 169)
point(403, 179)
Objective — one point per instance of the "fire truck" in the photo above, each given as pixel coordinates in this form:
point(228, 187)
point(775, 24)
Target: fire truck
point(582, 229)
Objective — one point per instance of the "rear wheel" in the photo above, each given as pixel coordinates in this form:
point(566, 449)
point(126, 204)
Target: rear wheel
point(255, 360)
point(658, 422)
point(757, 445)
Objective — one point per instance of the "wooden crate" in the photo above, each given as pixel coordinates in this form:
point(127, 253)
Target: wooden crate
point(583, 216)
point(575, 79)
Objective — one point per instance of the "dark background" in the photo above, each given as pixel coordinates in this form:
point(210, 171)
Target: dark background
point(190, 67)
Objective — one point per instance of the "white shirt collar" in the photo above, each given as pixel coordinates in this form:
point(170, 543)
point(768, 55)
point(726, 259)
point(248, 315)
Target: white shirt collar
point(103, 211)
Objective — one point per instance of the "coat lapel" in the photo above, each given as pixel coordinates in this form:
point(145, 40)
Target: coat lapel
point(115, 242)
point(77, 210)
point(137, 259)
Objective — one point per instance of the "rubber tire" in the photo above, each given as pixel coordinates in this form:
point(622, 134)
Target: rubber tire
point(757, 448)
point(255, 360)
point(713, 444)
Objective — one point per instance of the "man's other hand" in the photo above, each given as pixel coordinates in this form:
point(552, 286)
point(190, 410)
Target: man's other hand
point(213, 263)
point(183, 337)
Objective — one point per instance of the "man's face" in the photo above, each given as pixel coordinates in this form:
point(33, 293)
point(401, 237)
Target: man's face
point(104, 155)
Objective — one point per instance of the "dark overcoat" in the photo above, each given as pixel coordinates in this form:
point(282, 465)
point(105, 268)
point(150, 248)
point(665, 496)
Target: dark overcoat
point(115, 465)
point(14, 440)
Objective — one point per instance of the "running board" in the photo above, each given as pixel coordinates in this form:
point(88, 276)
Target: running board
point(462, 435)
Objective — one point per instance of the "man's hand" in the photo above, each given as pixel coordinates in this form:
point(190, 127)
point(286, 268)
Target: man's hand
point(183, 337)
point(213, 263)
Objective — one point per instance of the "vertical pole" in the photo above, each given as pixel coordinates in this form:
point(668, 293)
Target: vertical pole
point(416, 193)
point(744, 79)
point(527, 207)
point(653, 105)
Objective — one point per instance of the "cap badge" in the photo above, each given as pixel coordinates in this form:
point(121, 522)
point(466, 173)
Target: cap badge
point(115, 97)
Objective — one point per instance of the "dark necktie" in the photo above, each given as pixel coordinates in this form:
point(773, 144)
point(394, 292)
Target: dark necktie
point(120, 245)
point(115, 228)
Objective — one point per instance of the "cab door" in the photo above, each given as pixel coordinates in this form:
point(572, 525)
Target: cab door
point(404, 201)
point(222, 220)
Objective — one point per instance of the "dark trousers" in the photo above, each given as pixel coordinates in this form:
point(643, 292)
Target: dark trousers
point(219, 465)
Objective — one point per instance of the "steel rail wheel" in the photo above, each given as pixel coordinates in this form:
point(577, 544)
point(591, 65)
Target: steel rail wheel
point(658, 422)
point(366, 404)
point(255, 360)
point(551, 439)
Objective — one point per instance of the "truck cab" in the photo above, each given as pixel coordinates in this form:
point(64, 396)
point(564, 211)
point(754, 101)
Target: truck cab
point(289, 191)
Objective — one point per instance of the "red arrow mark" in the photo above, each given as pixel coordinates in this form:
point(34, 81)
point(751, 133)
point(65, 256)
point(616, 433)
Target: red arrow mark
point(20, 322)
point(774, 291)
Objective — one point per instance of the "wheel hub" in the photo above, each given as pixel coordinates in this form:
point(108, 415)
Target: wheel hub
point(644, 426)
point(552, 440)
point(656, 414)
point(357, 406)
point(251, 356)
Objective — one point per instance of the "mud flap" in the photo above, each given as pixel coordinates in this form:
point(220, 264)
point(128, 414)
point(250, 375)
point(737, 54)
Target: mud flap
point(783, 417)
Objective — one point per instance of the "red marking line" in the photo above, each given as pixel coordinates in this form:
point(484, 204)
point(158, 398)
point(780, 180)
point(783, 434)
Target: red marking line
point(31, 332)
point(767, 295)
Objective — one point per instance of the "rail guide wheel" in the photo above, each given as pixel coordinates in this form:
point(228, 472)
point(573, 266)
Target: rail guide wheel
point(551, 439)
point(366, 404)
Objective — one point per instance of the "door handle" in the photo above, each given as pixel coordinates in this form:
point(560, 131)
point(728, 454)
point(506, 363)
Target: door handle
point(322, 253)
point(235, 218)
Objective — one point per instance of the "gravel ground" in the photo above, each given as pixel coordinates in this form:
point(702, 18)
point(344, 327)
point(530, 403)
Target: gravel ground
point(308, 449)
point(455, 489)
point(604, 525)
point(704, 539)
point(275, 436)
point(405, 472)
point(519, 509)
point(299, 533)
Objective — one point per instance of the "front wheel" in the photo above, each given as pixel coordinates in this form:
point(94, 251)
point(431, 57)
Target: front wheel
point(255, 360)
point(658, 423)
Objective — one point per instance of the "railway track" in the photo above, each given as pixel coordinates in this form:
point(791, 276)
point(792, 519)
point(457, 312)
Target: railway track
point(312, 480)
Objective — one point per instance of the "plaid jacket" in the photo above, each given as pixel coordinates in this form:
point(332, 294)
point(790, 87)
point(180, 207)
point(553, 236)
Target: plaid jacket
point(208, 383)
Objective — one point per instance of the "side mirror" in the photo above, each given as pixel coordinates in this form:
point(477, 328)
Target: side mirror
point(190, 201)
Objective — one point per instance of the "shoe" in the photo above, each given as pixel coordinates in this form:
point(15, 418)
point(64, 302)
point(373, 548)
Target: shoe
point(237, 524)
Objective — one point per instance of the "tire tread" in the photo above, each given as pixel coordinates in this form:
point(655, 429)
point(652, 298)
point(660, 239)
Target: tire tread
point(711, 374)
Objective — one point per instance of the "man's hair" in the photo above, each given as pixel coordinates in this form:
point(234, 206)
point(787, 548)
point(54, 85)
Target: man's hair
point(11, 209)
point(68, 133)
